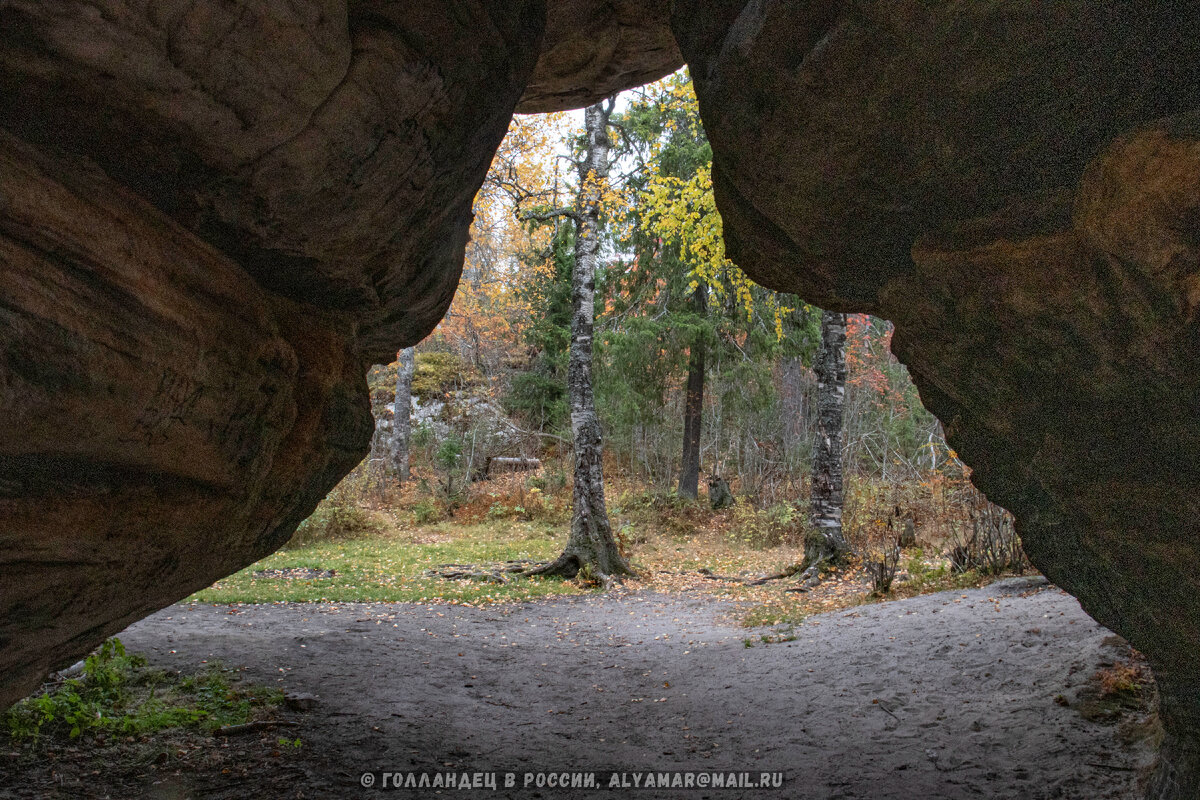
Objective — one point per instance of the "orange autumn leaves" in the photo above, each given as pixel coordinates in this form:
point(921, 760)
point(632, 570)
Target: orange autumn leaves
point(488, 315)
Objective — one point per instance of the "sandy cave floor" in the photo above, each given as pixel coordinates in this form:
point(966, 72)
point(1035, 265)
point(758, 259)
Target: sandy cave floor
point(950, 695)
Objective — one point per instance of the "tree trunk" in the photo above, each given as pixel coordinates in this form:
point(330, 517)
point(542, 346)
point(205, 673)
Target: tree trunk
point(826, 542)
point(689, 472)
point(719, 495)
point(402, 413)
point(591, 548)
point(794, 378)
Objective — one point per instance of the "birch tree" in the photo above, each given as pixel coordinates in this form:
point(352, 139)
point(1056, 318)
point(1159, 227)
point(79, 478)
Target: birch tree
point(826, 542)
point(591, 548)
point(402, 413)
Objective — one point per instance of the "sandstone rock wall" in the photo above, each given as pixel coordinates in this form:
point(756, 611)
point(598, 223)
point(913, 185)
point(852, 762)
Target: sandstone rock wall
point(594, 49)
point(213, 216)
point(164, 417)
point(1016, 186)
point(332, 149)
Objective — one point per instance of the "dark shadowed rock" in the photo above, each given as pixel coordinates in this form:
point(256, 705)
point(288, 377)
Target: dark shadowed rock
point(593, 49)
point(165, 418)
point(332, 151)
point(1017, 187)
point(214, 215)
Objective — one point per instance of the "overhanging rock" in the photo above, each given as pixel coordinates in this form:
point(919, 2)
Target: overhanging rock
point(213, 216)
point(1017, 186)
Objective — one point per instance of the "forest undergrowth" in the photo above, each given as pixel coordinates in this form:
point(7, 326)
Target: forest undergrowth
point(700, 377)
point(386, 543)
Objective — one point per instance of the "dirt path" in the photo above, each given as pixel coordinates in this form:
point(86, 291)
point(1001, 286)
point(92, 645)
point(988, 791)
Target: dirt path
point(943, 696)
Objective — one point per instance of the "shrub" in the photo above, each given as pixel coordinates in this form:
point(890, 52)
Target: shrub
point(118, 692)
point(502, 511)
point(423, 437)
point(1123, 678)
point(668, 513)
point(551, 480)
point(882, 569)
point(338, 516)
point(989, 543)
point(452, 480)
point(762, 529)
point(921, 573)
point(427, 511)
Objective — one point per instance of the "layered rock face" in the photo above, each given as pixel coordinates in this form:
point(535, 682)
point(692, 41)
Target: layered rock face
point(331, 150)
point(1017, 186)
point(213, 216)
point(592, 49)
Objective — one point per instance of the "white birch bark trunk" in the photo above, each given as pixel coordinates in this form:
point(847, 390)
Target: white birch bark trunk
point(591, 547)
point(826, 541)
point(402, 413)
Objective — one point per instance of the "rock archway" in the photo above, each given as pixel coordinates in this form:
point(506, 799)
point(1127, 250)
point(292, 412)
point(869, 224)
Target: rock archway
point(212, 216)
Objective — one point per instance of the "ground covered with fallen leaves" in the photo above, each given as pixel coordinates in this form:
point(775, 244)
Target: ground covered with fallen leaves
point(677, 547)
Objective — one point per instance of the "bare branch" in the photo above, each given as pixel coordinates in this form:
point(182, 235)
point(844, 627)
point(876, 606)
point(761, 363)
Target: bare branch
point(575, 162)
point(534, 433)
point(546, 216)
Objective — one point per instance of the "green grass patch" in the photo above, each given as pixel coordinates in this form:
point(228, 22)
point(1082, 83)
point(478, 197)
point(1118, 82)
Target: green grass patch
point(784, 612)
point(118, 693)
point(390, 567)
point(927, 576)
point(338, 517)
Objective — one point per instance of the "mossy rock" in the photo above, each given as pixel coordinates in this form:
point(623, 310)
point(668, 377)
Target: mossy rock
point(436, 374)
point(381, 380)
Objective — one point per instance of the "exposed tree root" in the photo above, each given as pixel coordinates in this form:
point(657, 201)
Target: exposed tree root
point(759, 581)
point(254, 727)
point(705, 572)
point(463, 575)
point(786, 573)
point(810, 576)
point(488, 573)
point(566, 566)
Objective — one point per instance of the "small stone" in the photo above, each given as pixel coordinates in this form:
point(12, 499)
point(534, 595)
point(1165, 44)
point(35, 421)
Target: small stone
point(299, 701)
